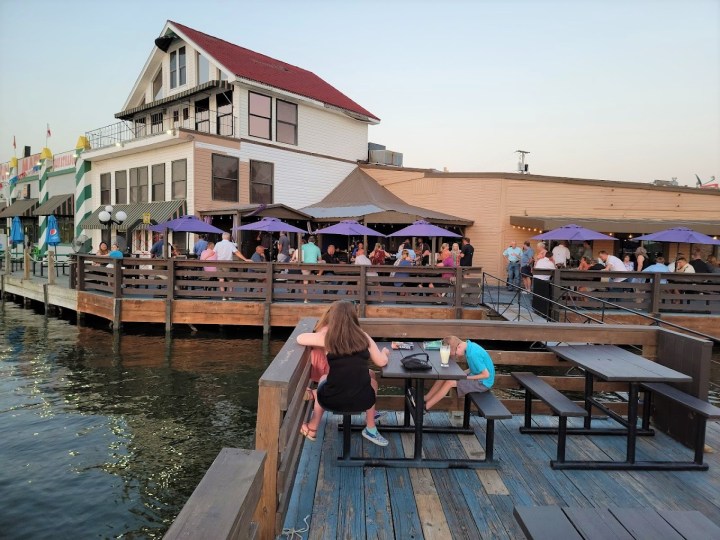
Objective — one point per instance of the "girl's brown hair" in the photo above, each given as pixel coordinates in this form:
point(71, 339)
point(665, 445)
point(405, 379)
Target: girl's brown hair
point(344, 335)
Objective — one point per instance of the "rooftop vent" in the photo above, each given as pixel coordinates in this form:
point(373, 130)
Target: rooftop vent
point(386, 157)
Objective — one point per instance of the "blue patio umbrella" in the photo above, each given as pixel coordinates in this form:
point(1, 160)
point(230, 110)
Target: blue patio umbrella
point(17, 236)
point(53, 234)
point(573, 232)
point(187, 224)
point(349, 227)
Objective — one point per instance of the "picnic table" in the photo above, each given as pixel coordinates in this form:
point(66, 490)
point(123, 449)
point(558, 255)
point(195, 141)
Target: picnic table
point(414, 408)
point(553, 522)
point(613, 364)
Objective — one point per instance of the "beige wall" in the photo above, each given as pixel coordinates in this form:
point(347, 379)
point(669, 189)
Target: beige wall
point(490, 199)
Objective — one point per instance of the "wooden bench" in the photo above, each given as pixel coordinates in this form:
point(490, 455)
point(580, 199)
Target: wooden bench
point(553, 522)
point(561, 406)
point(702, 410)
point(489, 407)
point(223, 503)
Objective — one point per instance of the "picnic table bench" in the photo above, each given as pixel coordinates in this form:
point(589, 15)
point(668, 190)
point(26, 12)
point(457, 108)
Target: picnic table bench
point(561, 405)
point(553, 522)
point(490, 408)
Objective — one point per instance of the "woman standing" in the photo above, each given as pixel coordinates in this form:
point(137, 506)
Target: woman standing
point(348, 385)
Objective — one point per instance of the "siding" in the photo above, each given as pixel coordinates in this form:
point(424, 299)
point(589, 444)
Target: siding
point(490, 202)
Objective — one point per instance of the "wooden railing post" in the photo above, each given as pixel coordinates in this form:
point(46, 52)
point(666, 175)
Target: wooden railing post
point(269, 272)
point(458, 291)
point(267, 430)
point(117, 279)
point(26, 264)
point(169, 293)
point(51, 267)
point(655, 294)
point(363, 291)
point(80, 272)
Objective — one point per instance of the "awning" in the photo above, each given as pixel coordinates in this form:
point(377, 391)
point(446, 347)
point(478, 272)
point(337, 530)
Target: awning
point(277, 210)
point(59, 205)
point(159, 212)
point(619, 225)
point(21, 207)
point(129, 113)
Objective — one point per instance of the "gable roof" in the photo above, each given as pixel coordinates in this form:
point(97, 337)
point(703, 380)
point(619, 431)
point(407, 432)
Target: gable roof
point(359, 195)
point(257, 67)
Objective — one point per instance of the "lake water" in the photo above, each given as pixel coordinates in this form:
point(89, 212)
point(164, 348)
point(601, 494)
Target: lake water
point(107, 439)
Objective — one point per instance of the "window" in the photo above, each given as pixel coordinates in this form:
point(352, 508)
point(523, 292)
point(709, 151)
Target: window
point(120, 187)
point(261, 182)
point(66, 229)
point(260, 116)
point(226, 178)
point(179, 179)
point(105, 189)
point(158, 182)
point(176, 118)
point(286, 126)
point(156, 122)
point(140, 127)
point(178, 70)
point(202, 115)
point(203, 69)
point(139, 185)
point(224, 114)
point(157, 86)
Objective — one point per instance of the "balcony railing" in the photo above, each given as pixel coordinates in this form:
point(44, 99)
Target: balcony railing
point(120, 133)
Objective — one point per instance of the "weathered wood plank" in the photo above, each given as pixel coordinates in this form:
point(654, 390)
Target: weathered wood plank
point(221, 505)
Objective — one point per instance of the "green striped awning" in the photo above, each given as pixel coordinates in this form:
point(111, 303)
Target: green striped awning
point(21, 207)
point(159, 212)
point(59, 205)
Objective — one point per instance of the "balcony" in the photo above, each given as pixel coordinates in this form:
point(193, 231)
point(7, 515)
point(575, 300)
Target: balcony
point(145, 127)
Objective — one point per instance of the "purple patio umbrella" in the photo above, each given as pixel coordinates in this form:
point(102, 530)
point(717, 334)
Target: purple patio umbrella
point(423, 228)
point(680, 235)
point(186, 224)
point(573, 232)
point(349, 227)
point(271, 225)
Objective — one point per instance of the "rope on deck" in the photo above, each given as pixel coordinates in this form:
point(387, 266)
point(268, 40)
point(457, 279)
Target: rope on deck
point(292, 532)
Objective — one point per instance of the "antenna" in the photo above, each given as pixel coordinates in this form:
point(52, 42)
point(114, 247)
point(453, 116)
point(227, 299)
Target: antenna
point(522, 167)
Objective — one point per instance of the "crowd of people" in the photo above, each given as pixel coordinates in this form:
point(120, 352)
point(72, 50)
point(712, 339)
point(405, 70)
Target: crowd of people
point(522, 263)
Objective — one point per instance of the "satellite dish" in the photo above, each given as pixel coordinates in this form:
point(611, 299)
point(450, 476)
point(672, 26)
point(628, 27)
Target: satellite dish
point(81, 244)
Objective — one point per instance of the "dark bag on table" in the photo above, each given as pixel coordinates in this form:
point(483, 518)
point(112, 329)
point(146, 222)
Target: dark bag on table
point(417, 362)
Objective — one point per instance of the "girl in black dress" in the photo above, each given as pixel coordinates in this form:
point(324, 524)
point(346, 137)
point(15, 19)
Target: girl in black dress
point(349, 384)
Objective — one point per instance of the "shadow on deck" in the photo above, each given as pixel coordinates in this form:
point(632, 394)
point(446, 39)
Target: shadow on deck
point(351, 502)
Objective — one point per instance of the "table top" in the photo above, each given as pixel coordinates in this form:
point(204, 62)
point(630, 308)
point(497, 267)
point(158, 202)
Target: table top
point(612, 363)
point(395, 369)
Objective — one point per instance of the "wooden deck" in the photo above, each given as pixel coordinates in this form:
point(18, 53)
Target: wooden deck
point(422, 503)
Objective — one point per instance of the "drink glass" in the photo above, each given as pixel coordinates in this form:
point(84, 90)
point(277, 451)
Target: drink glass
point(444, 355)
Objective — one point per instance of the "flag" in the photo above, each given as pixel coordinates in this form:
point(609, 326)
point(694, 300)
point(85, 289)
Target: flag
point(48, 131)
point(14, 145)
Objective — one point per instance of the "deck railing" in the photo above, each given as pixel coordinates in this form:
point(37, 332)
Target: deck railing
point(281, 408)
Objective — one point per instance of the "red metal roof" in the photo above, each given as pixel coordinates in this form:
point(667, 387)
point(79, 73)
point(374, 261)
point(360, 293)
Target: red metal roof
point(260, 68)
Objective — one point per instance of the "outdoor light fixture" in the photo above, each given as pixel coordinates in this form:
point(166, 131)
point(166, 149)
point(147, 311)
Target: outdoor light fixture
point(106, 216)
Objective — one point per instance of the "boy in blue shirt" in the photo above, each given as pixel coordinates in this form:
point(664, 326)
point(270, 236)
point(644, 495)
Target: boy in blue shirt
point(481, 372)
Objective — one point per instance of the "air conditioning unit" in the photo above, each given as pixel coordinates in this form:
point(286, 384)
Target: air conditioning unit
point(386, 157)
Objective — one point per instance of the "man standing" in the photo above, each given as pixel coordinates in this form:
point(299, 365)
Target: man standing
point(545, 263)
point(200, 245)
point(157, 248)
point(466, 253)
point(700, 266)
point(512, 258)
point(586, 250)
point(310, 254)
point(259, 255)
point(526, 263)
point(225, 249)
point(283, 248)
point(561, 254)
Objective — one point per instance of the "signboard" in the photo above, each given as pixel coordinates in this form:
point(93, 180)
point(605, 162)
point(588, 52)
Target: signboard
point(146, 218)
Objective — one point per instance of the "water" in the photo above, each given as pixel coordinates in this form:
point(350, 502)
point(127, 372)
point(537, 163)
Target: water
point(108, 440)
point(104, 439)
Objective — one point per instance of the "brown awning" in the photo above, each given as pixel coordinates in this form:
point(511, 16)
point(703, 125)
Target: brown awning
point(59, 205)
point(620, 225)
point(159, 212)
point(21, 207)
point(277, 210)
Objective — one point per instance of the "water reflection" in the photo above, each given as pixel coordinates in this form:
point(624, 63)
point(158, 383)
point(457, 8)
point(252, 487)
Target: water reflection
point(109, 437)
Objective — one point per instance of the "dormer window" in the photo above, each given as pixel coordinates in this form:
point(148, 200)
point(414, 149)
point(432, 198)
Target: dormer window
point(178, 68)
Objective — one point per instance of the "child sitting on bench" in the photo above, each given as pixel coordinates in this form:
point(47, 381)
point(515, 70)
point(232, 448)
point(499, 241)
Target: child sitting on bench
point(481, 374)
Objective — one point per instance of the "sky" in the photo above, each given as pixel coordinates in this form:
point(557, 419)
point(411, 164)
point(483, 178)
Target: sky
point(603, 89)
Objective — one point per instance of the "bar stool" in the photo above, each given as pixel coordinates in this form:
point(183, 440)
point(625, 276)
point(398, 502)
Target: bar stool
point(346, 427)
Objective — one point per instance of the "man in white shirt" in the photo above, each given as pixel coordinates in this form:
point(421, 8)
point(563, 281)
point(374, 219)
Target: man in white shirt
point(561, 254)
point(612, 264)
point(546, 263)
point(225, 249)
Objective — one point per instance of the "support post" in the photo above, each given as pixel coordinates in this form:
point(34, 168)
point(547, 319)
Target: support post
point(362, 283)
point(26, 264)
point(170, 294)
point(458, 292)
point(51, 267)
point(655, 295)
point(269, 271)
